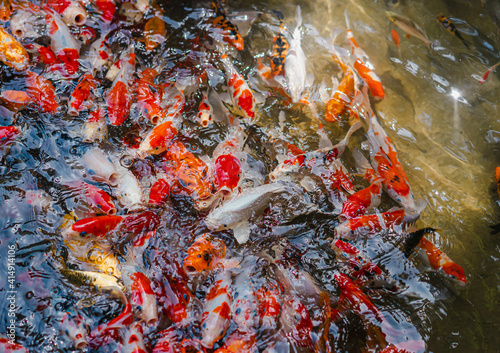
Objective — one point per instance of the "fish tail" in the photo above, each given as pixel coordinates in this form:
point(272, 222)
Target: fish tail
point(298, 16)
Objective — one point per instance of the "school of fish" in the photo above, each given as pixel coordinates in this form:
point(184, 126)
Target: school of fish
point(233, 282)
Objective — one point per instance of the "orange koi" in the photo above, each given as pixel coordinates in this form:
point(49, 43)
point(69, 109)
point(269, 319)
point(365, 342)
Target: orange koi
point(98, 226)
point(205, 111)
point(216, 311)
point(239, 90)
point(369, 224)
point(81, 98)
point(8, 134)
point(487, 73)
point(119, 96)
point(363, 67)
point(148, 96)
point(5, 10)
point(205, 254)
point(189, 174)
point(395, 37)
point(279, 49)
point(154, 32)
point(434, 257)
point(157, 140)
point(230, 32)
point(342, 97)
point(12, 53)
point(42, 92)
point(15, 99)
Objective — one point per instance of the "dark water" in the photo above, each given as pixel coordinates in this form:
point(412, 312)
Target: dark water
point(444, 124)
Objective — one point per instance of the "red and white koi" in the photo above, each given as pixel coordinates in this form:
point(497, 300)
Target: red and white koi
point(269, 298)
point(9, 346)
point(296, 321)
point(120, 95)
point(95, 128)
point(148, 96)
point(97, 199)
point(158, 140)
point(241, 94)
point(71, 12)
point(82, 97)
point(216, 310)
point(295, 64)
point(143, 297)
point(75, 328)
point(133, 341)
point(205, 111)
point(8, 134)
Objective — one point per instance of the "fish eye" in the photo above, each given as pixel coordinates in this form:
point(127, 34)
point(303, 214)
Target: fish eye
point(238, 311)
point(83, 234)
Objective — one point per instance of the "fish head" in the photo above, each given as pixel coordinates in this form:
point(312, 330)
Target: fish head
point(215, 325)
point(455, 272)
point(203, 255)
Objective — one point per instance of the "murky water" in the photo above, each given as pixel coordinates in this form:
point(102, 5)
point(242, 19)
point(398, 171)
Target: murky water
point(443, 122)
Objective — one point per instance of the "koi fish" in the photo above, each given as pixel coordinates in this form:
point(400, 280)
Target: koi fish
point(362, 201)
point(487, 73)
point(205, 254)
point(235, 213)
point(371, 224)
point(364, 68)
point(100, 167)
point(216, 311)
point(154, 32)
point(129, 192)
point(106, 8)
point(98, 226)
point(74, 327)
point(95, 128)
point(98, 258)
point(230, 32)
point(205, 111)
point(71, 12)
point(148, 96)
point(159, 192)
point(143, 297)
point(269, 298)
point(279, 49)
point(8, 134)
point(100, 334)
point(5, 10)
point(296, 321)
point(120, 96)
point(450, 27)
point(295, 64)
point(15, 100)
point(244, 305)
point(239, 342)
point(102, 282)
point(81, 98)
point(12, 53)
point(408, 26)
point(134, 339)
point(87, 35)
point(227, 170)
point(189, 174)
point(42, 92)
point(9, 346)
point(240, 92)
point(97, 199)
point(433, 256)
point(395, 37)
point(342, 97)
point(157, 140)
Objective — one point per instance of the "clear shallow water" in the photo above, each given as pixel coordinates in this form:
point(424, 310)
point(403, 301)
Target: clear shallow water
point(448, 147)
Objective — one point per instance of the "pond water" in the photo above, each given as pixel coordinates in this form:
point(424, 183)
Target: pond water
point(444, 123)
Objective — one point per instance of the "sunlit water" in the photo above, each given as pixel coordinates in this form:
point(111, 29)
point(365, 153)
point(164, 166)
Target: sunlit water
point(444, 124)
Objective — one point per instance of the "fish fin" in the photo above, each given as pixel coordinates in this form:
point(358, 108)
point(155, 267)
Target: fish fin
point(298, 16)
point(242, 232)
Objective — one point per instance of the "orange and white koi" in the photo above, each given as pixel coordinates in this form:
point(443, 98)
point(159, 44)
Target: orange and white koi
point(148, 96)
point(269, 298)
point(279, 49)
point(433, 256)
point(407, 25)
point(120, 96)
point(158, 140)
point(134, 339)
point(12, 53)
point(296, 321)
point(87, 34)
point(230, 32)
point(365, 69)
point(239, 342)
point(205, 111)
point(143, 297)
point(342, 97)
point(154, 32)
point(95, 128)
point(371, 224)
point(295, 64)
point(216, 311)
point(241, 94)
point(97, 199)
point(111, 330)
point(385, 160)
point(81, 98)
point(362, 201)
point(42, 92)
point(173, 101)
point(5, 10)
point(189, 174)
point(8, 134)
point(204, 255)
point(487, 73)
